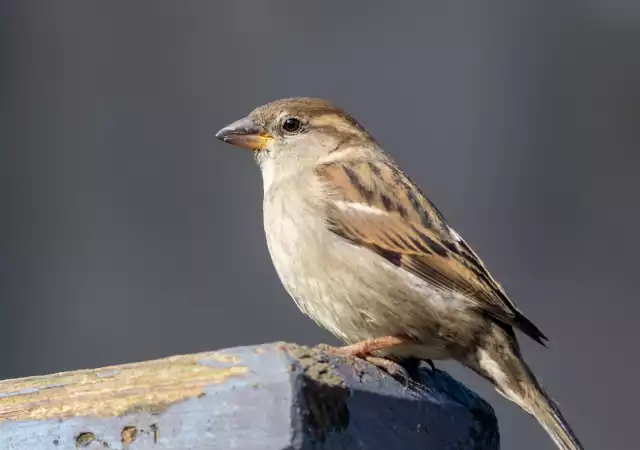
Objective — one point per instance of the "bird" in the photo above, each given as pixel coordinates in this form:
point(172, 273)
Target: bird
point(364, 253)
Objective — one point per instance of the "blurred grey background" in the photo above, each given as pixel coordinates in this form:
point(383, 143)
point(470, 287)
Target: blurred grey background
point(128, 232)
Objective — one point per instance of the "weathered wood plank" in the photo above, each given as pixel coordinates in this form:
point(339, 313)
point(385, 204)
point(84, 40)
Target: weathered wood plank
point(272, 396)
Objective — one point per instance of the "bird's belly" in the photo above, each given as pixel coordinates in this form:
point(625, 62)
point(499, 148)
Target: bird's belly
point(357, 295)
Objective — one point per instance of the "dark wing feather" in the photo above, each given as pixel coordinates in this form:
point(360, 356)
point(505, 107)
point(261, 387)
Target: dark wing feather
point(375, 205)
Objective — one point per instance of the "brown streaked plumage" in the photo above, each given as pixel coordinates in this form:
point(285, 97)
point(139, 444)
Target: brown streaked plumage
point(414, 235)
point(365, 254)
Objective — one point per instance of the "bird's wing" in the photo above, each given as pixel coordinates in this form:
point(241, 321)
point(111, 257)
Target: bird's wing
point(375, 205)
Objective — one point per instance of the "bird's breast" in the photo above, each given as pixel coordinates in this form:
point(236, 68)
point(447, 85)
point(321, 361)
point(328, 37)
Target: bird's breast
point(346, 288)
point(309, 260)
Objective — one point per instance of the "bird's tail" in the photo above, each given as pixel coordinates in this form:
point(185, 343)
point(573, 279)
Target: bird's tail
point(503, 365)
point(549, 416)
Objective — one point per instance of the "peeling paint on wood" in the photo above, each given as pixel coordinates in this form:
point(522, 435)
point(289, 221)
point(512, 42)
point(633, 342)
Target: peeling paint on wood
point(112, 391)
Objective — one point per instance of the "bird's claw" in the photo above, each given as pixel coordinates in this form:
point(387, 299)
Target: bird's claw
point(391, 367)
point(432, 366)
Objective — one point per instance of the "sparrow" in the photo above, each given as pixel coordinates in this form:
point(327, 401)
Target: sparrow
point(365, 254)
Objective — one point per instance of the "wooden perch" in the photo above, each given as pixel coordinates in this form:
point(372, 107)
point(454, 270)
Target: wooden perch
point(267, 397)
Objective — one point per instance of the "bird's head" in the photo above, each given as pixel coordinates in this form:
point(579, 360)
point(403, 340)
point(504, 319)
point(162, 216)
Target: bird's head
point(301, 129)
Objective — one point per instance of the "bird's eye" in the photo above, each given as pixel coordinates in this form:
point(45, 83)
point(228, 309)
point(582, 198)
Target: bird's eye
point(291, 125)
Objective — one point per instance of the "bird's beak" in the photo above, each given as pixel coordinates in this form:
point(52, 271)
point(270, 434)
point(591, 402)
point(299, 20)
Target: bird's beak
point(245, 133)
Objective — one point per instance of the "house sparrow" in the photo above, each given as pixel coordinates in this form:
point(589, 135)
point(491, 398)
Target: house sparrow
point(365, 254)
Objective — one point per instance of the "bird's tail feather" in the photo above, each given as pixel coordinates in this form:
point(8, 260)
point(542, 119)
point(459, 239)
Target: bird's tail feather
point(549, 416)
point(514, 380)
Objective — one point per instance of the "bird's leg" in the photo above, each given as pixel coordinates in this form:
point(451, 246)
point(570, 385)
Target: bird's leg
point(364, 348)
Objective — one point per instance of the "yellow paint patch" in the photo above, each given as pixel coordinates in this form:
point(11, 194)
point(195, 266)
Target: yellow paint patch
point(129, 435)
point(150, 386)
point(222, 357)
point(84, 439)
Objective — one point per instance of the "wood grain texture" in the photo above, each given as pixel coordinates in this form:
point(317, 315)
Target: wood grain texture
point(272, 396)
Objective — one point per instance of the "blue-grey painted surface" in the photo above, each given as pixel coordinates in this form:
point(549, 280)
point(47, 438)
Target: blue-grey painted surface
point(290, 398)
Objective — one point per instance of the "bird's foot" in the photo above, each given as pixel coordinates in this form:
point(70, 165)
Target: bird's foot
point(391, 367)
point(365, 349)
point(432, 366)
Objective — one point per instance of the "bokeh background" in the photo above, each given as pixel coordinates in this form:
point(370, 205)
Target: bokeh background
point(128, 232)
